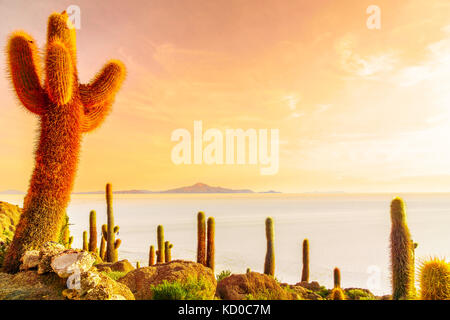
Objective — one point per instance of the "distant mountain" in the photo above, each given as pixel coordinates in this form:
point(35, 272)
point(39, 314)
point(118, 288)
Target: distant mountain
point(204, 188)
point(11, 191)
point(196, 188)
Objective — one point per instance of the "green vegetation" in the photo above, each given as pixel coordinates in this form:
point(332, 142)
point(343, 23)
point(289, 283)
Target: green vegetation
point(359, 294)
point(4, 245)
point(191, 289)
point(115, 275)
point(222, 275)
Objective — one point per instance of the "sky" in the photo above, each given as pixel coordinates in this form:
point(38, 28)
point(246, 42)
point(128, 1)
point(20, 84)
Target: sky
point(357, 109)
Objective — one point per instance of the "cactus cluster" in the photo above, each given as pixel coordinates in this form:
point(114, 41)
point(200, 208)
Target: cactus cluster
point(402, 253)
point(66, 109)
point(269, 264)
point(205, 240)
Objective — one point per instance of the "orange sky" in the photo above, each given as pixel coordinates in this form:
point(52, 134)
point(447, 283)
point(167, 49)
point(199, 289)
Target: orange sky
point(358, 110)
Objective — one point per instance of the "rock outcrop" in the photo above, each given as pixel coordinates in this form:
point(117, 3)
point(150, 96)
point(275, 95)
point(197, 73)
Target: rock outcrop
point(69, 261)
point(119, 266)
point(140, 281)
point(9, 217)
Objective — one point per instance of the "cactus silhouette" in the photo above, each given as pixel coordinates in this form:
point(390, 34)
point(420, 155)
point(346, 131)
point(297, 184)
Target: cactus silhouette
point(210, 248)
point(402, 250)
point(66, 110)
point(85, 241)
point(201, 238)
point(151, 256)
point(435, 280)
point(305, 270)
point(269, 264)
point(337, 277)
point(168, 251)
point(93, 231)
point(160, 251)
point(102, 252)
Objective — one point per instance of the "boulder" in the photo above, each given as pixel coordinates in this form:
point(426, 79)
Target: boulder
point(69, 261)
point(253, 285)
point(121, 266)
point(9, 217)
point(29, 285)
point(313, 285)
point(140, 281)
point(48, 250)
point(97, 286)
point(30, 260)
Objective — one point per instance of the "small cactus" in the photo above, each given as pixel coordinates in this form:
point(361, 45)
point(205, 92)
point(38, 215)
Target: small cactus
point(337, 277)
point(92, 231)
point(337, 294)
point(103, 242)
point(201, 238)
point(85, 241)
point(69, 245)
point(111, 249)
point(160, 252)
point(435, 280)
point(269, 264)
point(117, 244)
point(138, 265)
point(248, 270)
point(210, 248)
point(305, 270)
point(402, 252)
point(168, 251)
point(151, 256)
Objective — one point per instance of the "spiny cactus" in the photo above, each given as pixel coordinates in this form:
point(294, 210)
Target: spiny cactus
point(305, 270)
point(269, 264)
point(210, 248)
point(66, 109)
point(168, 251)
point(111, 243)
point(201, 238)
point(337, 277)
point(337, 294)
point(85, 241)
point(151, 256)
point(92, 231)
point(102, 252)
point(435, 280)
point(160, 252)
point(402, 250)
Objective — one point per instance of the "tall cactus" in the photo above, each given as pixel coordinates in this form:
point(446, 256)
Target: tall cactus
point(337, 277)
point(111, 243)
point(92, 231)
point(66, 109)
point(103, 242)
point(269, 264)
point(160, 253)
point(402, 251)
point(201, 238)
point(210, 248)
point(168, 251)
point(85, 241)
point(305, 270)
point(151, 256)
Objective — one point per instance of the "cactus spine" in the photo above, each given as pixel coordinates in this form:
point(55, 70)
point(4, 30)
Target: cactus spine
point(305, 270)
point(66, 109)
point(92, 231)
point(435, 280)
point(402, 265)
point(85, 241)
point(103, 242)
point(168, 251)
point(160, 252)
point(151, 256)
point(201, 238)
point(269, 264)
point(210, 251)
point(337, 277)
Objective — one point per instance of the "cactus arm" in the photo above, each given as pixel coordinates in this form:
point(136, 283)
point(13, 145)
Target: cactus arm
point(24, 71)
point(98, 95)
point(59, 73)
